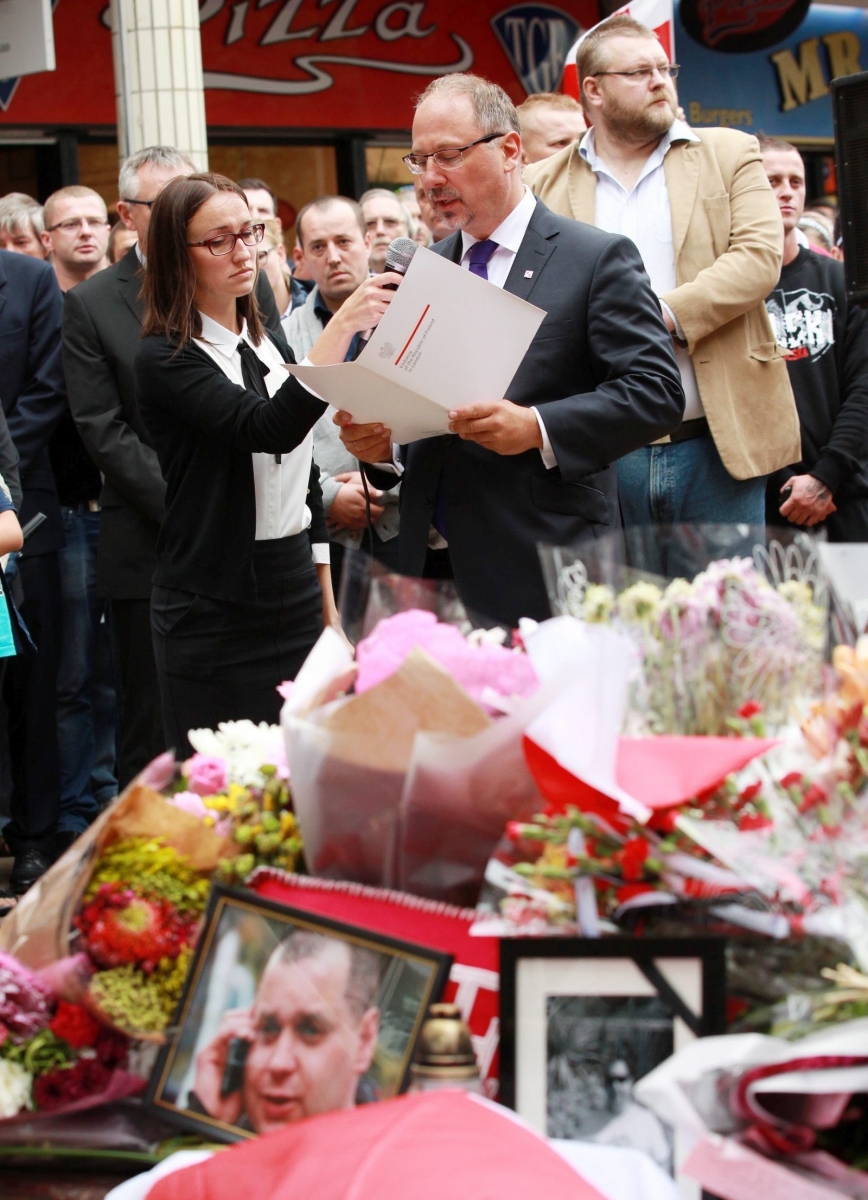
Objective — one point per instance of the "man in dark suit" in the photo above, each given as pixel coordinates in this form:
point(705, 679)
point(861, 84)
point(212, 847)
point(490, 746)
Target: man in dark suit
point(101, 337)
point(598, 380)
point(33, 397)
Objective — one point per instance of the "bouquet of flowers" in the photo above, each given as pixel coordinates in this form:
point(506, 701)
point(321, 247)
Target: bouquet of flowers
point(237, 782)
point(129, 893)
point(55, 1056)
point(407, 762)
point(745, 629)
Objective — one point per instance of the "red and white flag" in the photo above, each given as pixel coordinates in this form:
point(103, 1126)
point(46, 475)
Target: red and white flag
point(656, 14)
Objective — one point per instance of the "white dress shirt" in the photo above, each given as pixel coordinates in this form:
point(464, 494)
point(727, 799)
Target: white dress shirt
point(509, 235)
point(644, 216)
point(281, 488)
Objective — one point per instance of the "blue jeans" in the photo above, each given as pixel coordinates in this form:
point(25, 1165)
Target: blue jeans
point(685, 483)
point(87, 708)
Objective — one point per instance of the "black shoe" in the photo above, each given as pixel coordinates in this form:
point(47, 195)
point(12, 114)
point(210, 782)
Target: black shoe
point(29, 866)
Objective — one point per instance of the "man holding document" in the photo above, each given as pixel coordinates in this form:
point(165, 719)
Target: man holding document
point(599, 378)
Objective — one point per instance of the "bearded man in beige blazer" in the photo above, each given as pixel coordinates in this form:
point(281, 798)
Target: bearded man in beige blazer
point(700, 210)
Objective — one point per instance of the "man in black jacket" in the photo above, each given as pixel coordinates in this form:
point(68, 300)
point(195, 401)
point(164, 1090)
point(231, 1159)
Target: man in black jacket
point(33, 398)
point(826, 340)
point(101, 337)
point(598, 380)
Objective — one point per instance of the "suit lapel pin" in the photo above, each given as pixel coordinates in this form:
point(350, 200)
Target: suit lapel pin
point(528, 274)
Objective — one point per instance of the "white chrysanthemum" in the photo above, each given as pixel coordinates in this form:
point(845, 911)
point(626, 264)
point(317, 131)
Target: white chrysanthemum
point(598, 603)
point(243, 746)
point(16, 1086)
point(641, 602)
point(678, 591)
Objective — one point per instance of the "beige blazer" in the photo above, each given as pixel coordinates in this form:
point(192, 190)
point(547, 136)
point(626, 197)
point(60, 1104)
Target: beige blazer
point(727, 239)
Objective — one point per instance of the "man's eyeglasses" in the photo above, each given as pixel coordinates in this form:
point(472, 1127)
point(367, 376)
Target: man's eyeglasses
point(144, 203)
point(224, 243)
point(644, 74)
point(446, 160)
point(75, 224)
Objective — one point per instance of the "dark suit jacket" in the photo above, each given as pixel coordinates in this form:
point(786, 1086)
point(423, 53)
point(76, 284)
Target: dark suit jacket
point(9, 463)
point(601, 372)
point(101, 337)
point(31, 385)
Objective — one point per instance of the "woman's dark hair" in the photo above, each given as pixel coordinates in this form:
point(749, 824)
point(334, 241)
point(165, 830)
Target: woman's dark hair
point(170, 278)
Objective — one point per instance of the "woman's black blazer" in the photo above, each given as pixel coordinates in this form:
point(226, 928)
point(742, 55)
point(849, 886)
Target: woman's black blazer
point(204, 428)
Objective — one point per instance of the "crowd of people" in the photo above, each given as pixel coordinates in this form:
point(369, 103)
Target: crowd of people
point(176, 507)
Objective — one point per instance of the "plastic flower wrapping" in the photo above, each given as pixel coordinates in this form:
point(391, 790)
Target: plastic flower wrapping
point(774, 856)
point(387, 746)
point(764, 1116)
point(715, 630)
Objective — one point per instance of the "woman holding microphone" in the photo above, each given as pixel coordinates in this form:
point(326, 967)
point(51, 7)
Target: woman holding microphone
point(242, 586)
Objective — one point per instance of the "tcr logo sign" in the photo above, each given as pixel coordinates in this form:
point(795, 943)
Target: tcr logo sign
point(536, 39)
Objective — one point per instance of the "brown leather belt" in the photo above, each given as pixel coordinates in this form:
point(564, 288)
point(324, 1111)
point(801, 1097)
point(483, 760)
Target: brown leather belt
point(686, 432)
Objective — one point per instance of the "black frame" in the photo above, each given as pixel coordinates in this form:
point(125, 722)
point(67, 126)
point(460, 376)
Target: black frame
point(642, 952)
point(222, 897)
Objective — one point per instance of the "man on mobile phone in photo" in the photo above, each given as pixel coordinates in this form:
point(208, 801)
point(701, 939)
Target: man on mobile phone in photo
point(304, 1044)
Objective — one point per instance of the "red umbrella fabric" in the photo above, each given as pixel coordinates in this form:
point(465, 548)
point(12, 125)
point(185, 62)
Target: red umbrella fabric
point(437, 1146)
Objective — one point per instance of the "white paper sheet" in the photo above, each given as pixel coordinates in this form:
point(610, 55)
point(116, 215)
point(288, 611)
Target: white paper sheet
point(447, 340)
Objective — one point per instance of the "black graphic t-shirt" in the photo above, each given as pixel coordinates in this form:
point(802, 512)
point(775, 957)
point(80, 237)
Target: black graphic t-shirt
point(826, 341)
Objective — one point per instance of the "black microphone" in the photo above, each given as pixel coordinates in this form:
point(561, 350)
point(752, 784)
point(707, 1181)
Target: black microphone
point(398, 258)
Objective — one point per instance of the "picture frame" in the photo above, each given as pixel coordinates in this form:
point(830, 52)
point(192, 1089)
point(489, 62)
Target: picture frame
point(582, 1019)
point(286, 1014)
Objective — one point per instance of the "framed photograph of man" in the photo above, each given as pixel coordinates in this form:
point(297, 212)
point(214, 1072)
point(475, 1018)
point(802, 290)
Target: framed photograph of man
point(583, 1020)
point(286, 1015)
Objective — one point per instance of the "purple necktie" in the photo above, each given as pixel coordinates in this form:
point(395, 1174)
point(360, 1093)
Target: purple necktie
point(479, 256)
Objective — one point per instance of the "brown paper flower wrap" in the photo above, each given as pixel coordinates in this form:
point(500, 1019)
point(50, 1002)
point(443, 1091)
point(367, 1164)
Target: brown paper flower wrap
point(42, 931)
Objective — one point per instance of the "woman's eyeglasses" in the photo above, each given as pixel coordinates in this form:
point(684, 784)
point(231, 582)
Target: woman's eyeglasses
point(224, 243)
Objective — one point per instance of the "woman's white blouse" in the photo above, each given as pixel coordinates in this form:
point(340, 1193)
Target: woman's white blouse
point(281, 488)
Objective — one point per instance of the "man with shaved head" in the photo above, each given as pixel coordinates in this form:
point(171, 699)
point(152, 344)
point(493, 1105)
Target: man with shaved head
point(75, 234)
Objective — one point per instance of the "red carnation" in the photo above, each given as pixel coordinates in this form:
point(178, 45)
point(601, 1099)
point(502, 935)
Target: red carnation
point(749, 793)
point(632, 856)
point(64, 1085)
point(792, 780)
point(75, 1025)
point(121, 927)
point(750, 822)
point(664, 820)
point(750, 709)
point(815, 795)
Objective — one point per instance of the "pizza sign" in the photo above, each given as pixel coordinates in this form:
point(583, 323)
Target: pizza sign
point(316, 64)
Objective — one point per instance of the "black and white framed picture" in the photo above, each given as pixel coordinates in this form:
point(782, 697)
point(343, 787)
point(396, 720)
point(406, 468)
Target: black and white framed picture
point(583, 1020)
point(286, 1015)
